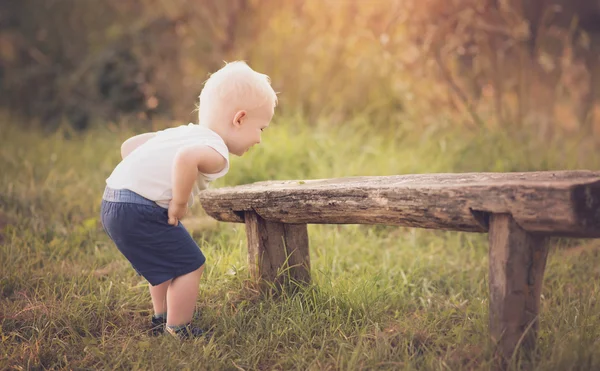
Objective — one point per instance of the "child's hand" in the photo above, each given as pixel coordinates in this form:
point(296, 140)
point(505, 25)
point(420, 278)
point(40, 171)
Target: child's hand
point(176, 212)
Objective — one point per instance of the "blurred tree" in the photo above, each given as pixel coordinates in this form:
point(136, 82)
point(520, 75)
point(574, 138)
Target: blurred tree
point(524, 63)
point(524, 56)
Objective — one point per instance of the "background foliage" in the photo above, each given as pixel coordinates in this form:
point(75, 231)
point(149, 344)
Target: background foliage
point(515, 64)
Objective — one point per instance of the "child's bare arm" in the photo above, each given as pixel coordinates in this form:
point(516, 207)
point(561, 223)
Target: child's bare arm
point(132, 143)
point(187, 164)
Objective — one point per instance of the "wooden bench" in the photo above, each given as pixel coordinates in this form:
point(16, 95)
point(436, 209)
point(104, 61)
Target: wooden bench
point(517, 210)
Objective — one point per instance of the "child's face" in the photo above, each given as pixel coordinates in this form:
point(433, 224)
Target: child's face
point(247, 129)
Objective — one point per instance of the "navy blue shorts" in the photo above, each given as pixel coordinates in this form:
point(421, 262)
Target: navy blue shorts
point(139, 227)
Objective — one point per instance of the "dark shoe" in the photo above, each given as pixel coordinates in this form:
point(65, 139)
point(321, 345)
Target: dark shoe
point(158, 325)
point(188, 332)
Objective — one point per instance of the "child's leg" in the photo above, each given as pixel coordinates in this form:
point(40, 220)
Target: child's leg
point(181, 298)
point(159, 297)
point(159, 302)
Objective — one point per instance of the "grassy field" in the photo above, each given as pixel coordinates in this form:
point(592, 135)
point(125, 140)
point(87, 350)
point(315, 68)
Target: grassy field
point(382, 297)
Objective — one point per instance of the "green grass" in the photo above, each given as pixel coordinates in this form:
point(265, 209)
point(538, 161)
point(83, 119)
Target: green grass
point(382, 297)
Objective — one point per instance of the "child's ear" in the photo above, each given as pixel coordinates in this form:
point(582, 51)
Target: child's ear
point(239, 118)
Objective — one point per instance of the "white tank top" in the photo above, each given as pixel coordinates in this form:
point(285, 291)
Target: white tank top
point(147, 170)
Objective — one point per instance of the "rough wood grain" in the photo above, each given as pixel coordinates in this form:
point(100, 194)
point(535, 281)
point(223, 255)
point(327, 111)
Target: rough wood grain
point(517, 261)
point(277, 252)
point(565, 203)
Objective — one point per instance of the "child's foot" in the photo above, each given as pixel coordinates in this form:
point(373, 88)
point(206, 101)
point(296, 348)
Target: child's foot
point(158, 324)
point(187, 332)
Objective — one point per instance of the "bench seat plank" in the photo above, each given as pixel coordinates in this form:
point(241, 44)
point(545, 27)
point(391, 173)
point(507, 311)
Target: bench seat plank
point(563, 203)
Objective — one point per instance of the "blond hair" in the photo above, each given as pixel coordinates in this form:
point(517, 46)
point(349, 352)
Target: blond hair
point(235, 86)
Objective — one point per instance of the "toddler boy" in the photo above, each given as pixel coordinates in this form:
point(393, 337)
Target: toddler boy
point(150, 190)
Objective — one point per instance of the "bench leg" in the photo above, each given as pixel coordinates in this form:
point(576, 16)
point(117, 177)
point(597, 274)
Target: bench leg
point(517, 261)
point(277, 252)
